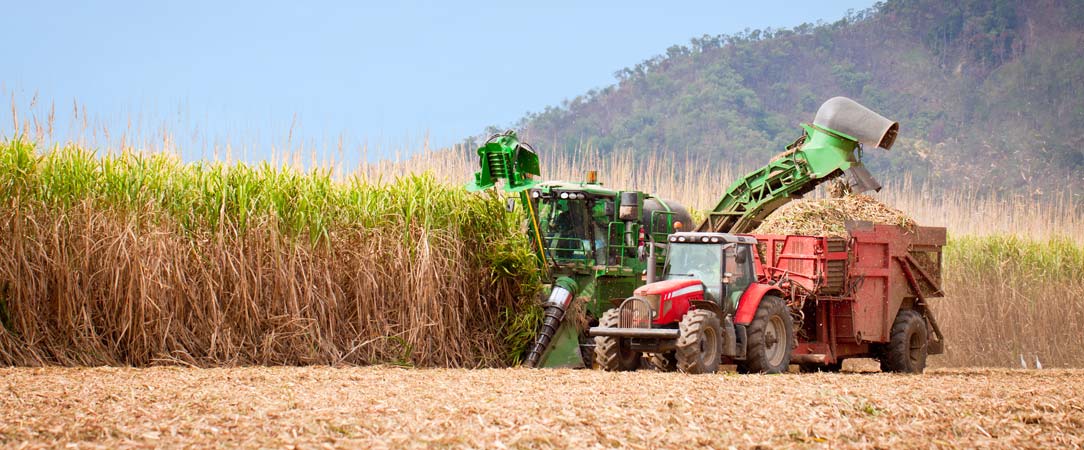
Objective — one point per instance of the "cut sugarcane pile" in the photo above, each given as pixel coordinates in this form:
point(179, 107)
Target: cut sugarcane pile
point(827, 217)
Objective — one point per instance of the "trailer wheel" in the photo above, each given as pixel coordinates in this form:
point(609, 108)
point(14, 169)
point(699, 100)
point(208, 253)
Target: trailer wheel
point(906, 350)
point(662, 362)
point(699, 348)
point(613, 353)
point(770, 338)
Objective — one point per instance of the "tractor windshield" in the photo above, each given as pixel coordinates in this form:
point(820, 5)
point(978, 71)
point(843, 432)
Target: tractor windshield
point(703, 262)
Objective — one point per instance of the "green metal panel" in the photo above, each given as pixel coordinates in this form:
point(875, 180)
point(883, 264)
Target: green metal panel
point(505, 157)
point(564, 349)
point(823, 154)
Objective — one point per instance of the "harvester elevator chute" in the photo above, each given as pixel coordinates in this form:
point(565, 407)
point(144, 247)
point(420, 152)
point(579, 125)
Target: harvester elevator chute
point(829, 148)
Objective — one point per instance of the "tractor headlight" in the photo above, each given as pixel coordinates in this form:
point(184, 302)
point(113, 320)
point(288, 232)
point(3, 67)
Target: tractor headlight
point(536, 194)
point(653, 302)
point(681, 239)
point(564, 195)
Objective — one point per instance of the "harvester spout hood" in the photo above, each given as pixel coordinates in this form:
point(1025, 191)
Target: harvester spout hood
point(846, 116)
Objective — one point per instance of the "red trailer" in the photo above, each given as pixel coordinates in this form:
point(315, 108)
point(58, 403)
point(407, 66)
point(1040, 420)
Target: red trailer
point(766, 301)
point(848, 292)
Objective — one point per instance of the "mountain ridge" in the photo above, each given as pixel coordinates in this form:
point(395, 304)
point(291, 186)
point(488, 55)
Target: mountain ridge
point(988, 94)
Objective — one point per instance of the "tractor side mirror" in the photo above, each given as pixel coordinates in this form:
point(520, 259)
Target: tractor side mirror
point(510, 204)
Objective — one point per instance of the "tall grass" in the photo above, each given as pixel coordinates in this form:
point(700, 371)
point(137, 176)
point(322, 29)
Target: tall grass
point(1012, 298)
point(140, 259)
point(132, 257)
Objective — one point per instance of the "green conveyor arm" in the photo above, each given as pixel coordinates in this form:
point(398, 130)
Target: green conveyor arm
point(821, 155)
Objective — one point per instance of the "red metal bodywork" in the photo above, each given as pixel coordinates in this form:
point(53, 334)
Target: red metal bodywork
point(750, 301)
point(853, 286)
point(677, 293)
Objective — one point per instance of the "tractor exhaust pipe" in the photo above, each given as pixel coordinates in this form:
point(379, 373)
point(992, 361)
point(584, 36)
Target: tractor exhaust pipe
point(560, 298)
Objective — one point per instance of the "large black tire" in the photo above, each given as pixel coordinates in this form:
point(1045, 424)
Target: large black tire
point(770, 338)
point(612, 353)
point(699, 347)
point(906, 350)
point(662, 362)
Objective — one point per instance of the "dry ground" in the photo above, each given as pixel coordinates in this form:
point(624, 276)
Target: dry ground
point(382, 407)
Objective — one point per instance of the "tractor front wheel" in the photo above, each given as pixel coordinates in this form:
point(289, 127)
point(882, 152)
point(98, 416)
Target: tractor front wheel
point(906, 351)
point(613, 353)
point(770, 338)
point(699, 347)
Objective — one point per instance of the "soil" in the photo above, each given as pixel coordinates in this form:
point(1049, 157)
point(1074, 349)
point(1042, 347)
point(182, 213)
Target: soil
point(387, 407)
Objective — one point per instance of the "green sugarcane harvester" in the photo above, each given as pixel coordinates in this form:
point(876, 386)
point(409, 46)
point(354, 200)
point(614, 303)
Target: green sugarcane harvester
point(595, 243)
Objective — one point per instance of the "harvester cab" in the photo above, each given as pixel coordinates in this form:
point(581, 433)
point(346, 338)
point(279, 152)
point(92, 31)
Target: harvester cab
point(590, 241)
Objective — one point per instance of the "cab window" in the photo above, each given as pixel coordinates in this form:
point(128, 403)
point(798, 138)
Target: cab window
point(739, 263)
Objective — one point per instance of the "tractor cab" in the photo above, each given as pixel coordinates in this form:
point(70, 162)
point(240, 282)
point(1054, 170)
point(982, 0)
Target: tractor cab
point(722, 262)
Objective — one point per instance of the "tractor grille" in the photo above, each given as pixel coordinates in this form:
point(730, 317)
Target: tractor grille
point(635, 313)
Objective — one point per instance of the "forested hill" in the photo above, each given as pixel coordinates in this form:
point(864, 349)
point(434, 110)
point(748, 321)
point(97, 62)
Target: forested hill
point(989, 94)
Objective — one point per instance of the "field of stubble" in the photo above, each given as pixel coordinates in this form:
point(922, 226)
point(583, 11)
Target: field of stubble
point(383, 407)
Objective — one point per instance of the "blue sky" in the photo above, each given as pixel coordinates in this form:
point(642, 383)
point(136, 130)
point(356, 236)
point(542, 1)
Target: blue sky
point(383, 74)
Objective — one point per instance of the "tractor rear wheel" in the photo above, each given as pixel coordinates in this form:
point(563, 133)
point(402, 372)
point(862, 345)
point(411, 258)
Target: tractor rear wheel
point(613, 353)
point(906, 350)
point(770, 338)
point(699, 347)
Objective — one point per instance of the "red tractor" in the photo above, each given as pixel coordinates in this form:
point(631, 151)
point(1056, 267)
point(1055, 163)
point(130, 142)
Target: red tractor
point(764, 302)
